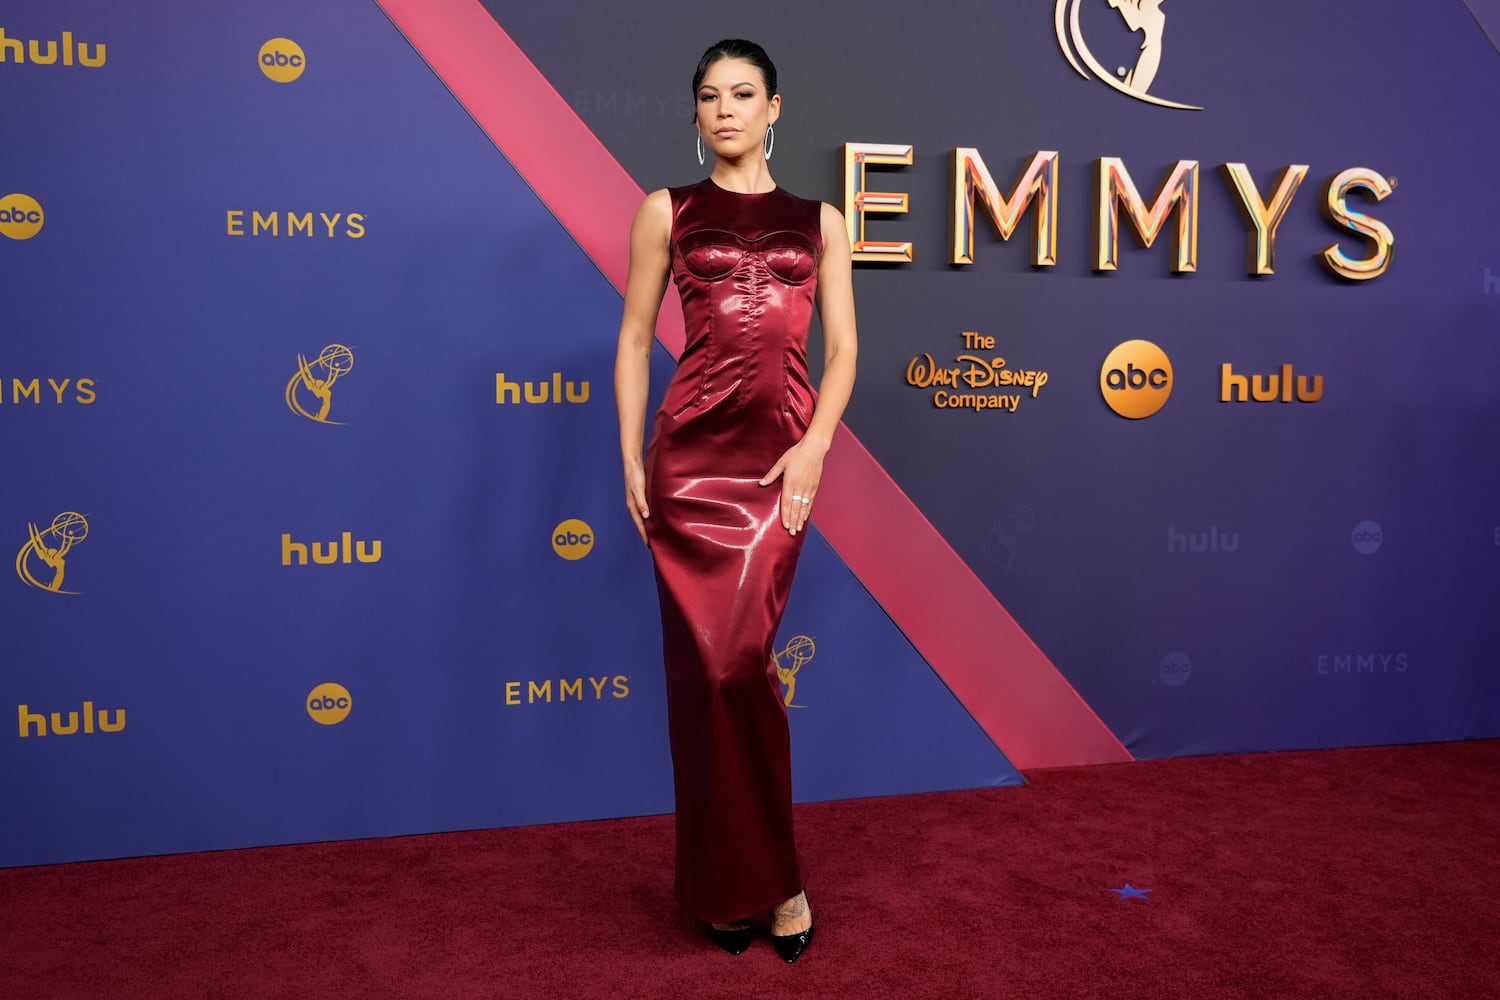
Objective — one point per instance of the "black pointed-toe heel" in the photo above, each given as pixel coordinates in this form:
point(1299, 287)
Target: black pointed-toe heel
point(735, 942)
point(791, 946)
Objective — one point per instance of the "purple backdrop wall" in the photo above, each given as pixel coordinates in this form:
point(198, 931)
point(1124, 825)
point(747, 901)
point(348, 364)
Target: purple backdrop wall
point(1216, 577)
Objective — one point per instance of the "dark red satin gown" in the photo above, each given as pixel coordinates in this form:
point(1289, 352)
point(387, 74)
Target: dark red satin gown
point(746, 268)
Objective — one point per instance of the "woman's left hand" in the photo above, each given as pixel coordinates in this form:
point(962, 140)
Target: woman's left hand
point(799, 469)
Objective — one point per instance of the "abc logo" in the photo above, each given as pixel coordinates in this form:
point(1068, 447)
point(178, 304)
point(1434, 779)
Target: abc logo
point(1176, 668)
point(329, 704)
point(573, 539)
point(20, 216)
point(1367, 538)
point(1136, 379)
point(282, 60)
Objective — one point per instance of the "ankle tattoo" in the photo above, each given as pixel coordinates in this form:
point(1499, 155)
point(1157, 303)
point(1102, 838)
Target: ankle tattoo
point(792, 909)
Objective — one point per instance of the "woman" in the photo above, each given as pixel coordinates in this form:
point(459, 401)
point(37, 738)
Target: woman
point(729, 481)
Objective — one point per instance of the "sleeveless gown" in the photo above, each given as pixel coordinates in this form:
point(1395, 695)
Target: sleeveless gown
point(745, 266)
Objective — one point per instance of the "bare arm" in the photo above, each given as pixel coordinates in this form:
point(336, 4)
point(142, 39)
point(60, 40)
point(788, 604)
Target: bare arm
point(840, 343)
point(650, 265)
point(801, 467)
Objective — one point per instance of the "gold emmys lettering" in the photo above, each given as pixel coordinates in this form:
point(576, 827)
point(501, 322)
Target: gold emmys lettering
point(1118, 203)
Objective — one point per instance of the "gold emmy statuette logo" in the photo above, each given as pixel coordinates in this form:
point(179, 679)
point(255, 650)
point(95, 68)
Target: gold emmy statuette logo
point(1145, 16)
point(21, 217)
point(282, 60)
point(573, 539)
point(1136, 379)
point(46, 552)
point(315, 380)
point(799, 649)
point(329, 704)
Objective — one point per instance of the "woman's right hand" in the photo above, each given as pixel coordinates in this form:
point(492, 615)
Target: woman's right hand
point(635, 496)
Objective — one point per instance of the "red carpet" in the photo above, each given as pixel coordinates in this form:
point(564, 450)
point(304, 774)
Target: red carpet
point(1349, 873)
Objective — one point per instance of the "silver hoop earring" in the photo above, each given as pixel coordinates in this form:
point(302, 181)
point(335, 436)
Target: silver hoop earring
point(700, 149)
point(770, 142)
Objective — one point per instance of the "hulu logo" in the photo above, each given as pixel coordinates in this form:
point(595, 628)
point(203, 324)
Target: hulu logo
point(344, 549)
point(47, 53)
point(554, 391)
point(35, 723)
point(1282, 387)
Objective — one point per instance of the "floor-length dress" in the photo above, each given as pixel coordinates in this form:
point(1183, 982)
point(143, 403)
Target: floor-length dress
point(746, 268)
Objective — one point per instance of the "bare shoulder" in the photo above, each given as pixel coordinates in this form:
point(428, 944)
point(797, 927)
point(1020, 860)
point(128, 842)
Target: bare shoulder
point(835, 234)
point(653, 219)
point(656, 206)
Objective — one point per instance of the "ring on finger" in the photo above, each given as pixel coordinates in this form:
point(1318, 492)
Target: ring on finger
point(805, 500)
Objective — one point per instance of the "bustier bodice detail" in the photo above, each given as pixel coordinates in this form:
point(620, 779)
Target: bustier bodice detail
point(746, 267)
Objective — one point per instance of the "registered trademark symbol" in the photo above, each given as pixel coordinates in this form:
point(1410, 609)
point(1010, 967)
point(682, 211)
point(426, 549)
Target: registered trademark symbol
point(1392, 182)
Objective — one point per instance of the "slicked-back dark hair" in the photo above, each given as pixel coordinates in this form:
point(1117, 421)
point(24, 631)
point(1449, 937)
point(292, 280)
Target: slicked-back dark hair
point(737, 48)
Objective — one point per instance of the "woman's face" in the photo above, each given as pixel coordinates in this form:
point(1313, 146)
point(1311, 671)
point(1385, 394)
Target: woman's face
point(733, 108)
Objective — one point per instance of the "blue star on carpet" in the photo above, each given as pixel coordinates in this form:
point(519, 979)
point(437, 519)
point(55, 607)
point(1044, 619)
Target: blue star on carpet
point(1131, 892)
